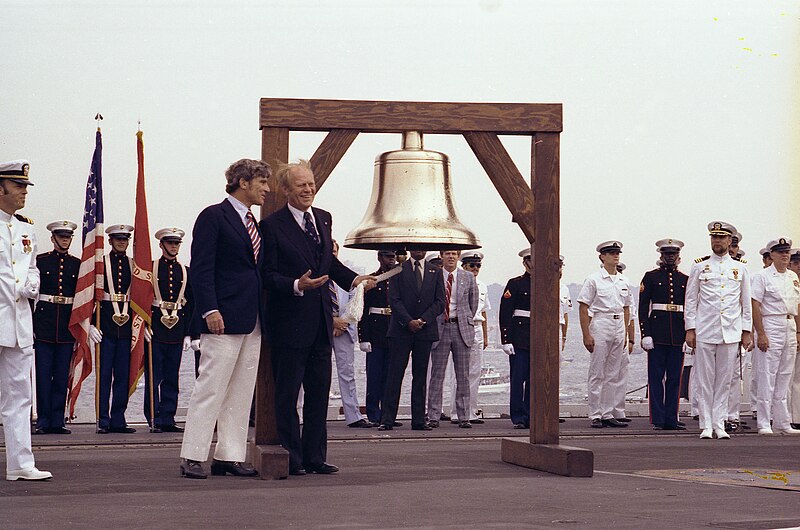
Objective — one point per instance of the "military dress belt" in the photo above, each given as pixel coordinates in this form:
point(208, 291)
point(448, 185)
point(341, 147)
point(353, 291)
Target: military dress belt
point(674, 308)
point(56, 299)
point(169, 306)
point(522, 313)
point(380, 310)
point(108, 297)
point(780, 315)
point(615, 316)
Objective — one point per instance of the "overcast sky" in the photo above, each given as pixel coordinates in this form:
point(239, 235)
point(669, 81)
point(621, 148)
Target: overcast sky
point(675, 113)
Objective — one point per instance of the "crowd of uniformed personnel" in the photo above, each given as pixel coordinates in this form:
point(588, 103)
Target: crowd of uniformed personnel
point(718, 313)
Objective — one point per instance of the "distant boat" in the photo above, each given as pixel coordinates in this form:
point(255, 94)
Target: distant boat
point(492, 381)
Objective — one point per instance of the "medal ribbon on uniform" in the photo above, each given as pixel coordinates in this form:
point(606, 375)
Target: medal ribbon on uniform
point(120, 316)
point(169, 317)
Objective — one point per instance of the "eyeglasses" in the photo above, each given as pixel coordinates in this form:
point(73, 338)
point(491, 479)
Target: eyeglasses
point(473, 265)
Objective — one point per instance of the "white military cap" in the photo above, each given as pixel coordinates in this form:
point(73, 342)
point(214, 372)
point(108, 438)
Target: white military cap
point(666, 245)
point(170, 234)
point(524, 252)
point(64, 228)
point(764, 252)
point(737, 238)
point(741, 254)
point(780, 244)
point(431, 256)
point(120, 231)
point(16, 171)
point(721, 228)
point(621, 266)
point(795, 253)
point(471, 256)
point(609, 246)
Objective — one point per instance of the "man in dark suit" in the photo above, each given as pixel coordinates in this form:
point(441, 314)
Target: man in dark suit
point(416, 297)
point(299, 262)
point(227, 256)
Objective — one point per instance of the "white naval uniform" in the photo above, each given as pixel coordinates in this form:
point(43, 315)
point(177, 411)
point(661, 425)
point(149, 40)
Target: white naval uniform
point(564, 307)
point(718, 308)
point(619, 382)
point(19, 282)
point(606, 296)
point(344, 352)
point(475, 357)
point(779, 295)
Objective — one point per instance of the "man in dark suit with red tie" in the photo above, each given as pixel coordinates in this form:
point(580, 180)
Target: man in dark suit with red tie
point(227, 258)
point(416, 297)
point(299, 262)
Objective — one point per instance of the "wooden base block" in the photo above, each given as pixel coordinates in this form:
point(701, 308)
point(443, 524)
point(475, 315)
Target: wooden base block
point(558, 459)
point(271, 461)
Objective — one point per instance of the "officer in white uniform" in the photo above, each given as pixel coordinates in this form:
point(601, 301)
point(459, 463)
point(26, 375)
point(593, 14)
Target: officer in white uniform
point(605, 301)
point(776, 295)
point(619, 382)
point(564, 305)
point(794, 386)
point(718, 316)
point(19, 284)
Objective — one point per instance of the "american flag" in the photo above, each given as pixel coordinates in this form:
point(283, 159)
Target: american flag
point(90, 276)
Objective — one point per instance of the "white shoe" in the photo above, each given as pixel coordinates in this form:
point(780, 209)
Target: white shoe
point(787, 431)
point(706, 434)
point(28, 474)
point(721, 434)
point(767, 431)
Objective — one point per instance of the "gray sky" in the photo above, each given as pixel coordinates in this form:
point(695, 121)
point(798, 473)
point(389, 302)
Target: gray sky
point(675, 113)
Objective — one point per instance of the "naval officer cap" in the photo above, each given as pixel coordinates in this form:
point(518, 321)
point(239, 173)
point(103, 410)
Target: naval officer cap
point(721, 228)
point(173, 234)
point(669, 245)
point(16, 171)
point(609, 246)
point(62, 228)
point(737, 238)
point(764, 252)
point(524, 253)
point(471, 256)
point(741, 253)
point(433, 258)
point(795, 254)
point(621, 267)
point(782, 244)
point(119, 231)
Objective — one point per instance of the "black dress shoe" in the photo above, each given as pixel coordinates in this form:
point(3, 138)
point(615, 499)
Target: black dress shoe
point(561, 420)
point(423, 427)
point(519, 426)
point(102, 430)
point(122, 430)
point(795, 425)
point(171, 428)
point(192, 469)
point(322, 469)
point(477, 421)
point(681, 424)
point(597, 423)
point(455, 421)
point(156, 429)
point(360, 424)
point(623, 420)
point(396, 424)
point(39, 430)
point(59, 430)
point(237, 469)
point(674, 428)
point(444, 417)
point(613, 422)
point(658, 427)
point(297, 472)
point(465, 425)
point(433, 423)
point(385, 428)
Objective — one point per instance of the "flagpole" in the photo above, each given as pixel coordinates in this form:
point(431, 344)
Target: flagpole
point(152, 386)
point(97, 368)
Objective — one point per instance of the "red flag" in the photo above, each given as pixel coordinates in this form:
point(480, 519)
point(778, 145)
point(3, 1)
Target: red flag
point(141, 275)
point(89, 288)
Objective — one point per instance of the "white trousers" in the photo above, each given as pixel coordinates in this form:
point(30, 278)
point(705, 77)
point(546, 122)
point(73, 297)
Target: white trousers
point(713, 364)
point(15, 405)
point(619, 384)
point(605, 363)
point(794, 391)
point(344, 352)
point(775, 373)
point(222, 396)
point(754, 360)
point(736, 390)
point(475, 363)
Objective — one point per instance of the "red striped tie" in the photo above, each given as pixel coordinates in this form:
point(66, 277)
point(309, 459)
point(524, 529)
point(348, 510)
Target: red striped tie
point(252, 231)
point(448, 290)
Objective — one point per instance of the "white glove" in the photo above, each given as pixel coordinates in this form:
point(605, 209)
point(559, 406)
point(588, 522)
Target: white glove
point(148, 334)
point(366, 347)
point(687, 350)
point(187, 343)
point(195, 345)
point(647, 343)
point(508, 349)
point(95, 335)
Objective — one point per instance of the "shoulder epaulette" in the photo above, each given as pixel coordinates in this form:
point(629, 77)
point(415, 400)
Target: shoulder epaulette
point(700, 260)
point(24, 219)
point(741, 260)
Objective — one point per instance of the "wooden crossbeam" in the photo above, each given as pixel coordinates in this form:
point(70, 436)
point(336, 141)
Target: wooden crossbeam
point(330, 152)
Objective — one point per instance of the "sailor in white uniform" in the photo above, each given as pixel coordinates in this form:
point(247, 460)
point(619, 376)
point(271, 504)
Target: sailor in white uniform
point(718, 317)
point(794, 386)
point(619, 382)
point(776, 295)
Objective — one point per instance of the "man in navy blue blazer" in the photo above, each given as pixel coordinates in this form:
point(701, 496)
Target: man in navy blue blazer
point(227, 258)
point(299, 262)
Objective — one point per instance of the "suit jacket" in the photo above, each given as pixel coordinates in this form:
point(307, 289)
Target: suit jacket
point(662, 286)
point(294, 320)
point(225, 275)
point(408, 302)
point(59, 276)
point(466, 305)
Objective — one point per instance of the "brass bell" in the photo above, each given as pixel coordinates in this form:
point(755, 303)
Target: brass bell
point(412, 204)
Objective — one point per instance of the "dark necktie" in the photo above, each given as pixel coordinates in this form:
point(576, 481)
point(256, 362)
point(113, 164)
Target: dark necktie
point(448, 290)
point(418, 274)
point(252, 231)
point(311, 230)
point(334, 298)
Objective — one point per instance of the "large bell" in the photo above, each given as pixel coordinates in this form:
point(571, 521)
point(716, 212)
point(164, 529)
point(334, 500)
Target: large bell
point(412, 204)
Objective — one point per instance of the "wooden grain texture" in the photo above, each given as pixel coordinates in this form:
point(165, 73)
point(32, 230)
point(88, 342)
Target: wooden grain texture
point(505, 176)
point(558, 459)
point(545, 289)
point(398, 116)
point(274, 149)
point(330, 152)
